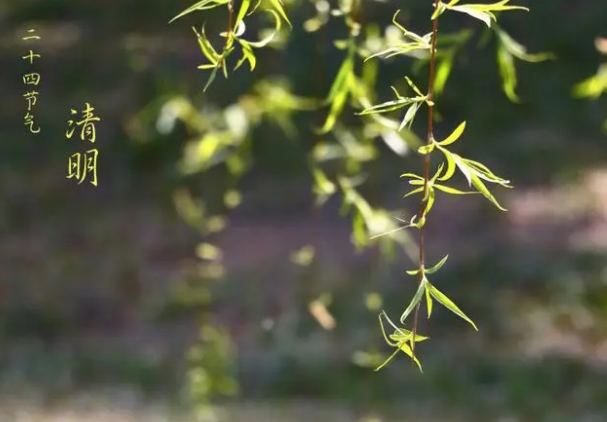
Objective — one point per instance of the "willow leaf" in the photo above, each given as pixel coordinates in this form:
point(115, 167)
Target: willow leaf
point(265, 41)
point(507, 70)
point(437, 266)
point(480, 186)
point(242, 12)
point(201, 5)
point(454, 136)
point(450, 167)
point(277, 5)
point(448, 303)
point(416, 299)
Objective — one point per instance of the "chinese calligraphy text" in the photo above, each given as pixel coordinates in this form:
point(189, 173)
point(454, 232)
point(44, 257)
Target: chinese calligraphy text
point(84, 163)
point(31, 81)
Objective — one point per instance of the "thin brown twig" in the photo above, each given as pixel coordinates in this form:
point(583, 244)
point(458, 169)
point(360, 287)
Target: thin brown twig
point(230, 29)
point(429, 139)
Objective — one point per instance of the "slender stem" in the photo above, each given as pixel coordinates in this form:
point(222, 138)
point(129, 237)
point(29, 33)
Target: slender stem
point(231, 16)
point(230, 30)
point(429, 140)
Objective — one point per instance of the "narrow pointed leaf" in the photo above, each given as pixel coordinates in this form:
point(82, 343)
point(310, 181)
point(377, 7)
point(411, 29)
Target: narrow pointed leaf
point(244, 8)
point(277, 5)
point(416, 299)
point(414, 191)
point(478, 14)
point(387, 361)
point(407, 350)
point(450, 167)
point(426, 149)
point(431, 197)
point(462, 167)
point(443, 71)
point(448, 303)
point(201, 5)
point(270, 37)
point(455, 135)
point(452, 191)
point(409, 116)
point(507, 70)
point(412, 175)
point(437, 266)
point(211, 79)
point(480, 186)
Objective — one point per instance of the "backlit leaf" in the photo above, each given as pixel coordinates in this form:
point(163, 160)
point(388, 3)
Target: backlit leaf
point(201, 5)
point(416, 299)
point(437, 266)
point(277, 5)
point(455, 135)
point(429, 302)
point(448, 303)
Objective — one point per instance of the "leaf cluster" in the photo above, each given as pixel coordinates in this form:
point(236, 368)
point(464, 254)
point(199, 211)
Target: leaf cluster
point(234, 34)
point(596, 85)
point(336, 161)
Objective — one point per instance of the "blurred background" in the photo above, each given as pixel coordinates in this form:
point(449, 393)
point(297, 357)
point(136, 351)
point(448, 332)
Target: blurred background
point(153, 296)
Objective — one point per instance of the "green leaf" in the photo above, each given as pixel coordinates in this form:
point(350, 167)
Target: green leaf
point(265, 41)
point(463, 167)
point(429, 302)
point(448, 303)
point(416, 299)
point(507, 70)
point(472, 175)
point(594, 86)
point(412, 175)
point(437, 266)
point(409, 116)
point(340, 89)
point(387, 361)
point(485, 173)
point(389, 232)
point(443, 70)
point(247, 54)
point(450, 166)
point(477, 14)
point(407, 349)
point(438, 172)
point(391, 106)
point(323, 187)
point(344, 73)
point(206, 47)
point(452, 191)
point(476, 181)
point(484, 12)
point(440, 9)
point(431, 196)
point(211, 79)
point(426, 149)
point(277, 5)
point(518, 50)
point(413, 272)
point(201, 5)
point(414, 87)
point(336, 108)
point(359, 235)
point(414, 191)
point(400, 335)
point(244, 8)
point(454, 136)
